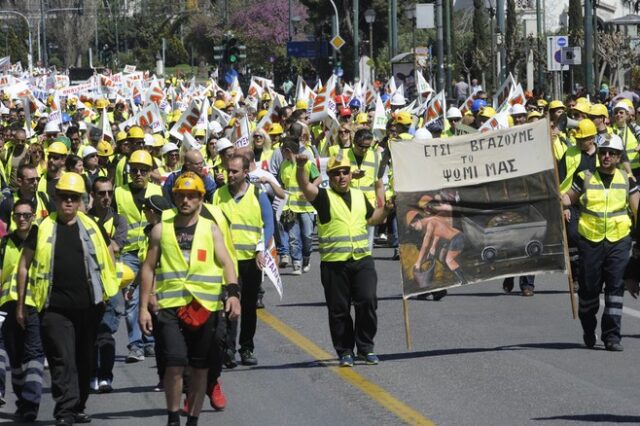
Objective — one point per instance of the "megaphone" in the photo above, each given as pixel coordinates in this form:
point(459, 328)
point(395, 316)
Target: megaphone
point(564, 122)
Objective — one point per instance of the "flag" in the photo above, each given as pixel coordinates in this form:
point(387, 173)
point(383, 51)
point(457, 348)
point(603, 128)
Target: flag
point(436, 108)
point(241, 134)
point(186, 121)
point(423, 88)
point(497, 122)
point(502, 95)
point(105, 126)
point(324, 105)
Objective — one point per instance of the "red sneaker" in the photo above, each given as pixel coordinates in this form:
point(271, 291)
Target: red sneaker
point(216, 397)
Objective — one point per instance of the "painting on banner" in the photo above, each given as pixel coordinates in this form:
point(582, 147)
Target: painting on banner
point(477, 207)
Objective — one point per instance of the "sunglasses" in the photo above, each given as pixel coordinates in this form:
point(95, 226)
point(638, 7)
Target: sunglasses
point(25, 216)
point(342, 172)
point(610, 152)
point(55, 157)
point(135, 171)
point(344, 131)
point(103, 193)
point(69, 197)
point(258, 137)
point(173, 154)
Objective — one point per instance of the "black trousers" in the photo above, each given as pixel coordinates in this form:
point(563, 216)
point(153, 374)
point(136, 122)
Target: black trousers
point(602, 263)
point(250, 278)
point(69, 338)
point(352, 281)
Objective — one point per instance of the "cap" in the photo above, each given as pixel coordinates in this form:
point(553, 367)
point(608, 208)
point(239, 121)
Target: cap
point(157, 203)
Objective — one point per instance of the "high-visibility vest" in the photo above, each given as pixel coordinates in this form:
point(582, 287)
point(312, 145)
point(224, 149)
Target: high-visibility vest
point(10, 254)
point(604, 212)
point(40, 213)
point(630, 144)
point(177, 282)
point(572, 159)
point(345, 236)
point(296, 201)
point(41, 270)
point(224, 224)
point(265, 159)
point(370, 164)
point(121, 177)
point(246, 219)
point(136, 221)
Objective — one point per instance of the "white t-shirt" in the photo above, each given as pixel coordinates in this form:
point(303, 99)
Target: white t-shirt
point(257, 174)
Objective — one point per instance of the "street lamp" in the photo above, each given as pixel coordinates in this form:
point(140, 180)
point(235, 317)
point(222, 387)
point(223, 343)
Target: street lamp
point(370, 18)
point(29, 29)
point(409, 11)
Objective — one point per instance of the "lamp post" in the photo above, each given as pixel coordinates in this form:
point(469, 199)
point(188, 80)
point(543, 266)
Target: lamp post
point(30, 40)
point(370, 18)
point(492, 13)
point(409, 11)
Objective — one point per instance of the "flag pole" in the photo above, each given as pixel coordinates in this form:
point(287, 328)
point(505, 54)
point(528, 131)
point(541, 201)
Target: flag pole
point(407, 328)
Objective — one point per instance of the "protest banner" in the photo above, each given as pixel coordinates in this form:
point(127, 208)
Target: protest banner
point(187, 121)
point(272, 272)
point(477, 207)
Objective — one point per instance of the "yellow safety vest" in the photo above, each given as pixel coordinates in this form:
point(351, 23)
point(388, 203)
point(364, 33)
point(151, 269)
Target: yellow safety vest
point(296, 201)
point(245, 217)
point(41, 270)
point(572, 159)
point(121, 178)
point(40, 213)
point(8, 279)
point(265, 159)
point(345, 236)
point(370, 165)
point(136, 221)
point(224, 226)
point(177, 282)
point(630, 144)
point(603, 212)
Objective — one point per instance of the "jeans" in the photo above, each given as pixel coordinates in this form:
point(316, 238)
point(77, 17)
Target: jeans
point(300, 242)
point(105, 343)
point(136, 339)
point(281, 237)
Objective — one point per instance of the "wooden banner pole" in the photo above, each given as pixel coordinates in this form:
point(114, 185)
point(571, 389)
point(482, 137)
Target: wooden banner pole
point(407, 328)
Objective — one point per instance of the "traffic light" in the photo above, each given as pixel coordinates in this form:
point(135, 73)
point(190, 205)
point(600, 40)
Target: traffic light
point(218, 52)
point(234, 51)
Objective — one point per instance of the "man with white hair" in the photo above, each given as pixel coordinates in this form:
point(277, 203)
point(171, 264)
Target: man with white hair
point(193, 162)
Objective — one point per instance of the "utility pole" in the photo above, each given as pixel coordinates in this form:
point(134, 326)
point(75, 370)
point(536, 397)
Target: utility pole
point(501, 50)
point(440, 40)
point(356, 40)
point(588, 46)
point(540, 72)
point(447, 36)
point(45, 49)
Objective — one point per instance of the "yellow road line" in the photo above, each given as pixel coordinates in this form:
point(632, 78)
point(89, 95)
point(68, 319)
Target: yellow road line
point(375, 392)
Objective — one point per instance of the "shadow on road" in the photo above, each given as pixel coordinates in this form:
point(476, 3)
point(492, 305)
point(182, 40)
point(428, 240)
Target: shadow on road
point(150, 412)
point(501, 293)
point(596, 418)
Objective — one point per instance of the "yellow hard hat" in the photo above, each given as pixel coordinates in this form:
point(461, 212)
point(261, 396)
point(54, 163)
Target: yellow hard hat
point(158, 140)
point(102, 103)
point(598, 110)
point(275, 129)
point(338, 162)
point(220, 104)
point(261, 114)
point(586, 129)
point(581, 99)
point(135, 132)
point(626, 102)
point(200, 132)
point(104, 149)
point(487, 112)
point(403, 117)
point(121, 136)
point(72, 101)
point(266, 96)
point(302, 104)
point(141, 157)
point(71, 182)
point(362, 118)
point(125, 273)
point(189, 181)
point(88, 104)
point(534, 114)
point(583, 107)
point(555, 104)
point(57, 148)
point(542, 103)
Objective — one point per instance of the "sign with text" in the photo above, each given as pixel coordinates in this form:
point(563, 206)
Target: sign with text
point(477, 207)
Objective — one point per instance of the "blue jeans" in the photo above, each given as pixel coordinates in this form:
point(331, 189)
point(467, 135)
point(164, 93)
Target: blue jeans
point(137, 340)
point(300, 242)
point(281, 237)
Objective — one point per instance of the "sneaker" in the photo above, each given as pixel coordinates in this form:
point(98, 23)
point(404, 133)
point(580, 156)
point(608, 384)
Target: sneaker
point(159, 387)
point(382, 238)
point(438, 295)
point(613, 346)
point(396, 254)
point(589, 340)
point(28, 415)
point(216, 397)
point(247, 357)
point(93, 384)
point(81, 417)
point(149, 351)
point(527, 291)
point(507, 286)
point(346, 360)
point(135, 355)
point(229, 359)
point(285, 260)
point(370, 358)
point(105, 386)
point(306, 268)
point(297, 270)
point(259, 303)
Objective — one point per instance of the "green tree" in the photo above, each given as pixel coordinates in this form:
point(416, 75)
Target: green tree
point(478, 54)
point(511, 37)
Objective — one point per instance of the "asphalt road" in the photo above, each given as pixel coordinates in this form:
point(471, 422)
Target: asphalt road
point(479, 357)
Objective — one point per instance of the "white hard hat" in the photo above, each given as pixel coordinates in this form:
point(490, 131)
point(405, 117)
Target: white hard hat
point(51, 127)
point(613, 142)
point(454, 112)
point(621, 105)
point(423, 133)
point(223, 143)
point(168, 147)
point(149, 140)
point(88, 150)
point(82, 125)
point(517, 109)
point(215, 127)
point(398, 99)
